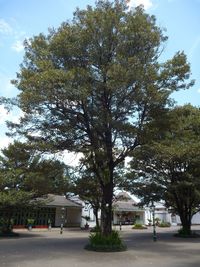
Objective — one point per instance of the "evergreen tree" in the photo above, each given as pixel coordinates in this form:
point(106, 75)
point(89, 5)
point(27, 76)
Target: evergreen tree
point(168, 168)
point(25, 176)
point(91, 85)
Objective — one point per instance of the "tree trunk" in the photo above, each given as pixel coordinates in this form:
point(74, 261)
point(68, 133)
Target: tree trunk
point(185, 218)
point(106, 209)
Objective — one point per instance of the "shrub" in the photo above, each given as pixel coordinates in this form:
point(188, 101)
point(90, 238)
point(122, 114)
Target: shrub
point(164, 224)
point(6, 225)
point(95, 229)
point(157, 221)
point(30, 221)
point(139, 226)
point(110, 243)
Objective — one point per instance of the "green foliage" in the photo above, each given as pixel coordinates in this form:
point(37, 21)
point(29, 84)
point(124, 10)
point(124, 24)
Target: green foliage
point(139, 226)
point(99, 242)
point(11, 198)
point(24, 176)
point(84, 185)
point(30, 221)
point(93, 85)
point(164, 224)
point(169, 166)
point(157, 220)
point(22, 168)
point(183, 232)
point(6, 225)
point(95, 229)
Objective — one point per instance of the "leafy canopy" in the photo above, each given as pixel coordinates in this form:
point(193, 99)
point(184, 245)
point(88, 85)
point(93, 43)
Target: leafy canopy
point(25, 175)
point(96, 80)
point(93, 84)
point(169, 166)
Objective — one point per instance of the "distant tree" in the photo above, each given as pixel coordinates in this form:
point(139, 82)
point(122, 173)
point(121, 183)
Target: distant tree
point(91, 85)
point(88, 189)
point(169, 167)
point(24, 176)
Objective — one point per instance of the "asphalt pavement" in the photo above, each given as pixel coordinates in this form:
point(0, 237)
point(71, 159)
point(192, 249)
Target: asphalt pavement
point(43, 248)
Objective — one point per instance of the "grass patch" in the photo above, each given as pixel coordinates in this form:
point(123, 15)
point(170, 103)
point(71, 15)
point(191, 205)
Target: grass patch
point(164, 224)
point(110, 243)
point(139, 226)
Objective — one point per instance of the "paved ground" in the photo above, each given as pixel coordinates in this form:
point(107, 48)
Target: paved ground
point(50, 249)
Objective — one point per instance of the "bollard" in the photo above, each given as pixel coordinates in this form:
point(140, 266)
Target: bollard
point(61, 228)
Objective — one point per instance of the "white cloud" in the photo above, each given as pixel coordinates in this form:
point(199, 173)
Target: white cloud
point(18, 46)
point(12, 33)
point(4, 141)
point(69, 158)
point(5, 28)
point(198, 91)
point(146, 3)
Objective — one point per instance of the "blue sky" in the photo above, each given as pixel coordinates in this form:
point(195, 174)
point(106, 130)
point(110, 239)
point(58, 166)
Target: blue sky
point(20, 19)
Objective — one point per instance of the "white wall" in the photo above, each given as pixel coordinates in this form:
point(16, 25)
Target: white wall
point(162, 214)
point(87, 210)
point(195, 219)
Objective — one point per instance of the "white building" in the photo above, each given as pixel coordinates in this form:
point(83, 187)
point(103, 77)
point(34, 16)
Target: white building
point(72, 213)
point(126, 210)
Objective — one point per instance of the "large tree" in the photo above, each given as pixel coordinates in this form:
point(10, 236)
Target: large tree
point(168, 168)
point(92, 84)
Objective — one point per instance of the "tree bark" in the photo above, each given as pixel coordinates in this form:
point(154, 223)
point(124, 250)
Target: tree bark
point(106, 209)
point(185, 218)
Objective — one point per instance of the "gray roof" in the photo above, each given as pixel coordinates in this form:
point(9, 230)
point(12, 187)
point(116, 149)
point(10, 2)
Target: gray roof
point(126, 206)
point(124, 202)
point(60, 201)
point(123, 196)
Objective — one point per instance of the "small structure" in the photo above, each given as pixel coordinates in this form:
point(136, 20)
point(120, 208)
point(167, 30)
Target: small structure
point(54, 211)
point(126, 210)
point(67, 212)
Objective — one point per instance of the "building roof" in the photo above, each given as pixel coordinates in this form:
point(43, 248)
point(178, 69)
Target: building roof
point(123, 196)
point(124, 202)
point(126, 206)
point(60, 201)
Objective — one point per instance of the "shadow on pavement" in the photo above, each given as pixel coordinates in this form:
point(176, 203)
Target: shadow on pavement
point(168, 251)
